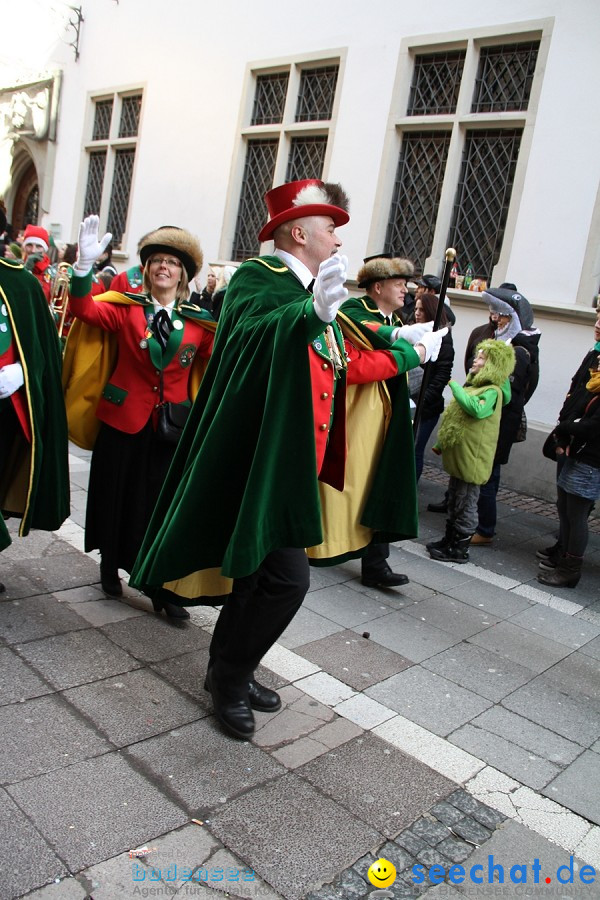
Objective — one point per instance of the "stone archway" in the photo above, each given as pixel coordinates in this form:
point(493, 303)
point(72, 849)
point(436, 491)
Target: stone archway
point(26, 200)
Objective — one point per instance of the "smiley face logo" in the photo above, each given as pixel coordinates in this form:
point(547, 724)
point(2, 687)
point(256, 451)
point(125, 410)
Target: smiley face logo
point(382, 873)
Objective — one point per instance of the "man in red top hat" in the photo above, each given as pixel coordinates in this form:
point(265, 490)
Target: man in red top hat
point(268, 424)
point(35, 255)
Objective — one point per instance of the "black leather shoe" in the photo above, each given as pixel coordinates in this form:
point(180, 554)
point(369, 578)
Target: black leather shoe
point(385, 579)
point(110, 581)
point(170, 609)
point(438, 507)
point(234, 715)
point(263, 698)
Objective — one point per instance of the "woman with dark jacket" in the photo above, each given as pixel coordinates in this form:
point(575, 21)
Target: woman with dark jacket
point(440, 373)
point(576, 440)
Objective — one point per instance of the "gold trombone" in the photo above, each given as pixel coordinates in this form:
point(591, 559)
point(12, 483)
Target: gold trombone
point(59, 295)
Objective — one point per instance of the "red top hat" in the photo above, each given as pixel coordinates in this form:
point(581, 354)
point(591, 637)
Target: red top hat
point(298, 199)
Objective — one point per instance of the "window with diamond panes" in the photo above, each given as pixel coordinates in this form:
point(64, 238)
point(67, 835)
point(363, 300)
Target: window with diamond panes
point(130, 116)
point(102, 117)
point(505, 77)
point(307, 157)
point(436, 83)
point(119, 198)
point(316, 94)
point(259, 170)
point(95, 180)
point(269, 98)
point(482, 198)
point(416, 195)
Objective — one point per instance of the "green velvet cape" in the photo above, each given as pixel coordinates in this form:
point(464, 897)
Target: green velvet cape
point(35, 485)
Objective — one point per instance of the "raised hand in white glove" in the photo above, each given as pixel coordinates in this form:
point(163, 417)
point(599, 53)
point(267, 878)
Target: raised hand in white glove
point(329, 291)
point(431, 343)
point(412, 333)
point(11, 379)
point(89, 247)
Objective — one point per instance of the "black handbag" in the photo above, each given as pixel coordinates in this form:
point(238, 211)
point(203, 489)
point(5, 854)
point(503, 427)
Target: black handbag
point(521, 434)
point(550, 445)
point(171, 418)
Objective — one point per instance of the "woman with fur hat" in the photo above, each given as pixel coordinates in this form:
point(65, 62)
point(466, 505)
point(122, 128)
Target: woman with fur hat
point(139, 352)
point(467, 440)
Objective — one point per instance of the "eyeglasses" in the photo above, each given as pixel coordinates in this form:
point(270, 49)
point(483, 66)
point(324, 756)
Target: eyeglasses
point(169, 261)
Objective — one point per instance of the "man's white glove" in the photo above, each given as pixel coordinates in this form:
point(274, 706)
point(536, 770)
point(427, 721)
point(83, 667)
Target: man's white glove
point(431, 343)
point(329, 291)
point(11, 379)
point(89, 247)
point(412, 333)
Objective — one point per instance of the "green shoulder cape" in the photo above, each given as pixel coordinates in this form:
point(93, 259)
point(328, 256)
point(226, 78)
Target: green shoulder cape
point(35, 485)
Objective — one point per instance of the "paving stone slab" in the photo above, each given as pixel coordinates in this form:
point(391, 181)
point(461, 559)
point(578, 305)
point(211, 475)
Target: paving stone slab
point(556, 711)
point(64, 570)
point(578, 675)
point(407, 636)
point(17, 681)
point(429, 700)
point(152, 638)
point(523, 647)
point(106, 610)
point(299, 717)
point(489, 597)
point(29, 619)
point(82, 594)
point(307, 626)
point(68, 888)
point(42, 735)
point(353, 659)
point(188, 673)
point(556, 625)
point(344, 606)
point(96, 809)
point(452, 616)
point(383, 787)
point(133, 706)
point(479, 670)
point(528, 735)
point(592, 648)
point(578, 787)
point(264, 828)
point(26, 860)
point(78, 657)
point(202, 766)
point(522, 764)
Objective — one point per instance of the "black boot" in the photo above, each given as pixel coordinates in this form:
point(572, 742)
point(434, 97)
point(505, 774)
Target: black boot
point(110, 581)
point(439, 507)
point(549, 556)
point(457, 550)
point(233, 713)
point(171, 610)
point(261, 698)
point(443, 542)
point(385, 578)
point(566, 574)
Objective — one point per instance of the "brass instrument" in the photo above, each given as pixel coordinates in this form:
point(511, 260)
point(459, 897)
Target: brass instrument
point(59, 295)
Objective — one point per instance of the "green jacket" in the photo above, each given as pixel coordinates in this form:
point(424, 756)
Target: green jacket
point(35, 484)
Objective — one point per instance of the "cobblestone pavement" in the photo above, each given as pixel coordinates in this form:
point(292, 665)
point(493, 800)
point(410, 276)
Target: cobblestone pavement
point(451, 727)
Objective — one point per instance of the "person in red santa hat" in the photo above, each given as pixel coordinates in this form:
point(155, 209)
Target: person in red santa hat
point(35, 255)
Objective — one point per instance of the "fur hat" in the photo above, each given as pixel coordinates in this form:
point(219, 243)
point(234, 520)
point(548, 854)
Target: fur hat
point(431, 282)
point(504, 302)
point(38, 234)
point(499, 364)
point(178, 241)
point(381, 268)
point(297, 199)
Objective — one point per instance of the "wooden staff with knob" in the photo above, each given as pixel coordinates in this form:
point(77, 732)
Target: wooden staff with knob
point(450, 257)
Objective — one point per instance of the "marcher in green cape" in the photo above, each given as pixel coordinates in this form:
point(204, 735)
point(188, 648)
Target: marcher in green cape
point(34, 474)
point(467, 439)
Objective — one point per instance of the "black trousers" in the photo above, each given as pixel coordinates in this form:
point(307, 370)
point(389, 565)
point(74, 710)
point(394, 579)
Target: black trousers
point(374, 562)
point(256, 613)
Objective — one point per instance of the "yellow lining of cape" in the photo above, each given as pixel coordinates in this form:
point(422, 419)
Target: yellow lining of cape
point(203, 583)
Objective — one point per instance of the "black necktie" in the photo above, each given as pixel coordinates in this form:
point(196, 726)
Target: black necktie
point(162, 328)
point(310, 286)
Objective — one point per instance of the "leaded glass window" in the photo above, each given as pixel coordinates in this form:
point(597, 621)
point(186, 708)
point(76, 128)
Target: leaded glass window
point(307, 156)
point(316, 94)
point(269, 98)
point(482, 198)
point(102, 116)
point(416, 195)
point(436, 83)
point(259, 170)
point(505, 77)
point(95, 180)
point(130, 116)
point(119, 198)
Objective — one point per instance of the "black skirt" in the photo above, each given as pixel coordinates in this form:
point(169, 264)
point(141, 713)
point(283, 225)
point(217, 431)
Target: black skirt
point(126, 476)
